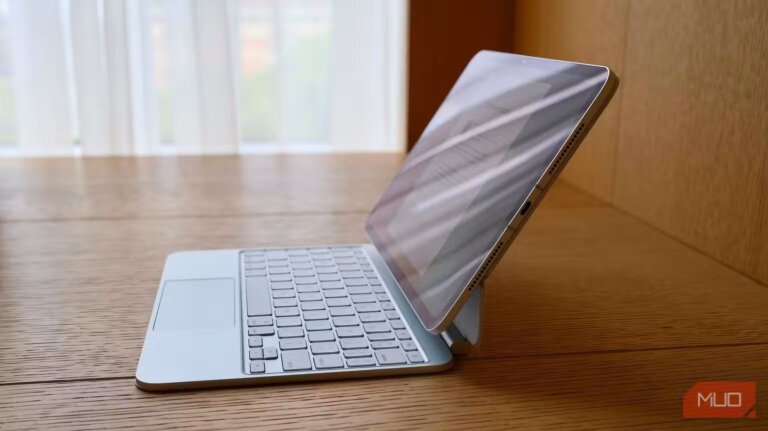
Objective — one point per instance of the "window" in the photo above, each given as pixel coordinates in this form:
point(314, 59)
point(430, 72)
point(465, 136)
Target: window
point(196, 76)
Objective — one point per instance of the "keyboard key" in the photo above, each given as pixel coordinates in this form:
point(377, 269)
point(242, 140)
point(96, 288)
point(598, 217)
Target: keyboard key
point(382, 297)
point(356, 290)
point(353, 343)
point(386, 305)
point(353, 279)
point(375, 283)
point(409, 345)
point(280, 277)
point(317, 325)
point(397, 324)
point(303, 273)
point(325, 270)
point(348, 266)
point(373, 317)
point(305, 280)
point(349, 332)
point(277, 264)
point(390, 356)
point(277, 255)
point(254, 258)
point(322, 259)
point(281, 285)
point(339, 293)
point(314, 305)
point(255, 272)
point(301, 264)
point(328, 361)
point(378, 288)
point(297, 252)
point(257, 366)
point(328, 277)
point(261, 330)
point(283, 293)
point(403, 334)
point(257, 296)
point(358, 353)
point(279, 270)
point(376, 327)
point(358, 299)
point(286, 312)
point(293, 344)
point(315, 296)
point(330, 285)
point(414, 357)
point(293, 332)
point(381, 336)
point(283, 322)
point(320, 263)
point(385, 344)
point(270, 353)
point(392, 314)
point(315, 315)
point(284, 302)
point(317, 336)
point(367, 307)
point(361, 362)
point(255, 341)
point(257, 353)
point(323, 348)
point(295, 360)
point(307, 288)
point(337, 302)
point(260, 321)
point(370, 274)
point(341, 311)
point(346, 321)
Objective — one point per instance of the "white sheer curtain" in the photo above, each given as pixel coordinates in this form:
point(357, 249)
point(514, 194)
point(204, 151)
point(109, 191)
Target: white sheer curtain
point(118, 77)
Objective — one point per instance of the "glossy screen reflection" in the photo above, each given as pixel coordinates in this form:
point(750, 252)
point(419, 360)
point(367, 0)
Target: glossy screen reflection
point(475, 164)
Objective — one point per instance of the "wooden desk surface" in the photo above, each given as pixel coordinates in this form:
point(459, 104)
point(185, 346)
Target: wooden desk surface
point(594, 320)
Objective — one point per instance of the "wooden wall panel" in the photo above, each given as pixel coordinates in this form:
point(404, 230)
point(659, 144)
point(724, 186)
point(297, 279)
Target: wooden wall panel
point(692, 154)
point(684, 144)
point(444, 35)
point(590, 31)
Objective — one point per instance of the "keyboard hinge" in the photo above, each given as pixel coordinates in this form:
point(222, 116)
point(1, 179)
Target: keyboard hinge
point(464, 333)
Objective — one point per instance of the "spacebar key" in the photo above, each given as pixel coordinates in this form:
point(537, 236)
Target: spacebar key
point(257, 295)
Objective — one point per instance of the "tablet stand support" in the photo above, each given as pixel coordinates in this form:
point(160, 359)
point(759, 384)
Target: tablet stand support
point(467, 326)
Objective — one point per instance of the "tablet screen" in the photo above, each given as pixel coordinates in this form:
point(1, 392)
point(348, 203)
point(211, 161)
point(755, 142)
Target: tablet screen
point(482, 153)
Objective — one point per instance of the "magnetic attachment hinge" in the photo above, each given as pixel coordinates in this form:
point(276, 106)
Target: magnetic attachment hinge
point(466, 328)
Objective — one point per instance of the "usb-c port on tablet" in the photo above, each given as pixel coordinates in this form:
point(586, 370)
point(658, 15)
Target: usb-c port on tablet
point(525, 207)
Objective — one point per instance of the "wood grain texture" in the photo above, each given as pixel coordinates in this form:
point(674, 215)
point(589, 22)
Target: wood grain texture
point(593, 32)
point(683, 144)
point(627, 391)
point(146, 187)
point(594, 320)
point(693, 159)
point(577, 280)
point(40, 189)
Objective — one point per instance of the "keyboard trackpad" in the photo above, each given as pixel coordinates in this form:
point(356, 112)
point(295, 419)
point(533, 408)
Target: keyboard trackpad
point(196, 304)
